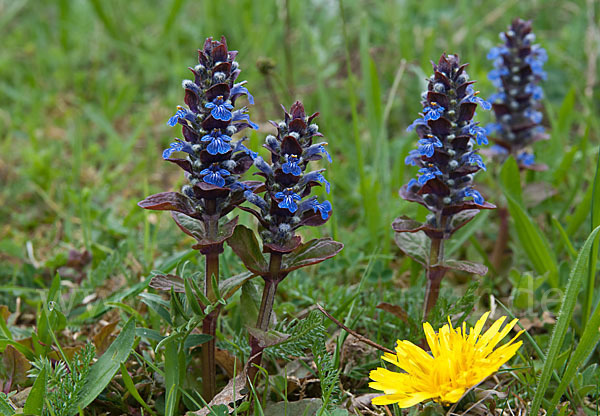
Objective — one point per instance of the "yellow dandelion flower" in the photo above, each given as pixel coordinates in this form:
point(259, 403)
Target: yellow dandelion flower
point(458, 361)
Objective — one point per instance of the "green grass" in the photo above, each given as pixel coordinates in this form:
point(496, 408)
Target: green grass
point(86, 88)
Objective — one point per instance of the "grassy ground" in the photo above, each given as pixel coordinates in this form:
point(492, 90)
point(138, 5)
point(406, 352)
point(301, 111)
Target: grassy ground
point(87, 86)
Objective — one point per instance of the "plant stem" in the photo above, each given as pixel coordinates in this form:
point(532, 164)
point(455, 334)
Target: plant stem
point(209, 324)
point(501, 240)
point(209, 327)
point(434, 274)
point(264, 314)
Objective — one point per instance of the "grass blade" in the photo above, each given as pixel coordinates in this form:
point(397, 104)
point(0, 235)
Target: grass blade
point(595, 221)
point(174, 372)
point(576, 278)
point(534, 243)
point(35, 400)
point(107, 365)
point(127, 380)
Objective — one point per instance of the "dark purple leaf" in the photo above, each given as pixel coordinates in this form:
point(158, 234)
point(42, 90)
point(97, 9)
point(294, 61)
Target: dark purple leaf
point(168, 201)
point(182, 163)
point(166, 282)
point(268, 338)
point(462, 218)
point(466, 111)
point(312, 252)
point(454, 209)
point(465, 266)
point(288, 247)
point(395, 310)
point(406, 225)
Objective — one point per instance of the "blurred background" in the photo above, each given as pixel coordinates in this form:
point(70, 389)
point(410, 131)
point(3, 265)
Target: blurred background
point(86, 88)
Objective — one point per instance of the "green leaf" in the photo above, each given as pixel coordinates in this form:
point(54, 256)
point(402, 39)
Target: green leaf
point(54, 291)
point(6, 408)
point(590, 286)
point(229, 286)
point(149, 333)
point(415, 245)
point(249, 303)
point(243, 242)
point(158, 305)
point(132, 390)
point(533, 241)
point(195, 340)
point(174, 374)
point(192, 299)
point(35, 400)
point(576, 278)
point(312, 252)
point(107, 365)
point(511, 179)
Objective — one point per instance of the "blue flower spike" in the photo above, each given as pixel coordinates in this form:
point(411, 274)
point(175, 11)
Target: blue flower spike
point(212, 156)
point(287, 185)
point(446, 154)
point(517, 103)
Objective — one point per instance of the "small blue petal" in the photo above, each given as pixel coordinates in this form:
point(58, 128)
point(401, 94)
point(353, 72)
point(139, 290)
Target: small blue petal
point(214, 175)
point(288, 200)
point(256, 200)
point(317, 148)
point(526, 159)
point(181, 113)
point(239, 89)
point(324, 208)
point(428, 173)
point(470, 192)
point(475, 159)
point(412, 158)
point(427, 145)
point(240, 115)
point(433, 111)
point(417, 122)
point(173, 147)
point(220, 112)
point(263, 166)
point(291, 165)
point(534, 115)
point(480, 134)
